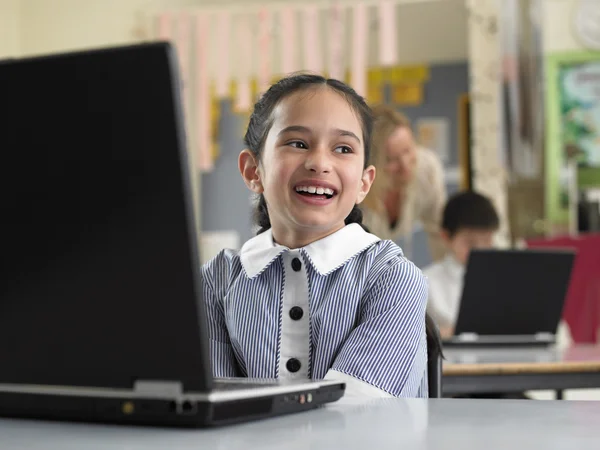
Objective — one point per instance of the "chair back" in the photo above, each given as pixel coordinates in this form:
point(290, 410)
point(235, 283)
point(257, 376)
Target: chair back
point(434, 358)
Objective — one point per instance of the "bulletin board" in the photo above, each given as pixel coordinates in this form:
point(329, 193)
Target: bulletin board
point(572, 131)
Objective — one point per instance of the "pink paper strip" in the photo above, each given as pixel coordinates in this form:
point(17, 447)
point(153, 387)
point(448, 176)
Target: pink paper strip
point(264, 49)
point(183, 43)
point(164, 27)
point(360, 34)
point(336, 41)
point(311, 34)
point(243, 100)
point(223, 79)
point(287, 37)
point(388, 53)
point(202, 105)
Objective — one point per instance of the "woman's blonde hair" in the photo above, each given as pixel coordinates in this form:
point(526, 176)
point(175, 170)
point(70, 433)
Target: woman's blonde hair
point(386, 121)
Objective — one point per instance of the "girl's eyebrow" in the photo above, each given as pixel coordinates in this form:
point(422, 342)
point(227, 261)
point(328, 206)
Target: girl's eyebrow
point(303, 129)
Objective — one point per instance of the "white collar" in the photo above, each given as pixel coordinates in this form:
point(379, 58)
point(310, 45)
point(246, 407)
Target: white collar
point(325, 255)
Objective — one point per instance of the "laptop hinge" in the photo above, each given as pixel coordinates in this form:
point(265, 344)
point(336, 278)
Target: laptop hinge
point(155, 388)
point(544, 336)
point(468, 337)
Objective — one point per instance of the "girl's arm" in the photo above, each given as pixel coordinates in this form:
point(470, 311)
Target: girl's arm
point(223, 359)
point(386, 354)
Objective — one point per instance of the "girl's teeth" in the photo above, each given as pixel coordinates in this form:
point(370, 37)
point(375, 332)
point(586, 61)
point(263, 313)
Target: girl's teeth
point(315, 190)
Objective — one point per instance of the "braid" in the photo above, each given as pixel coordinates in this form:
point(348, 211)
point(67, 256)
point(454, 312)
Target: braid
point(356, 216)
point(261, 215)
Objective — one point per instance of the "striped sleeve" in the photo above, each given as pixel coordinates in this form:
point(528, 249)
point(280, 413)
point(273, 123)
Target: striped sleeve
point(221, 352)
point(388, 348)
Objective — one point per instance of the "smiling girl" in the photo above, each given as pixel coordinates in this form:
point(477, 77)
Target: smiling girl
point(314, 295)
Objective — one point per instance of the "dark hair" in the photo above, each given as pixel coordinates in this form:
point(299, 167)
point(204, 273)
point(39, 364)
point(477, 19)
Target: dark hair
point(261, 122)
point(469, 210)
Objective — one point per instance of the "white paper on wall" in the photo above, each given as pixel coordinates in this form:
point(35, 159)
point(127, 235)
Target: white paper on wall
point(336, 41)
point(265, 23)
point(311, 34)
point(202, 96)
point(434, 133)
point(388, 51)
point(360, 42)
point(288, 40)
point(223, 70)
point(244, 41)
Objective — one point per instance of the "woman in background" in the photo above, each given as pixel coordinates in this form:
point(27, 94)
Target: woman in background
point(409, 186)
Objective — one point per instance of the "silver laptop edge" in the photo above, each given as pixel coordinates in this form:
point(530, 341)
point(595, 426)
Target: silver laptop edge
point(167, 391)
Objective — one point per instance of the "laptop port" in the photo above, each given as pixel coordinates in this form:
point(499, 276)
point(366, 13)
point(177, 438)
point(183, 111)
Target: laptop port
point(188, 407)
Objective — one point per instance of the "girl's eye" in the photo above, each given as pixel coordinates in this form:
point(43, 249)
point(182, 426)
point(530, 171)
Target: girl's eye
point(343, 149)
point(297, 144)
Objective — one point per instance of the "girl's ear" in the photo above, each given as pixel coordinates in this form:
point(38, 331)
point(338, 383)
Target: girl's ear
point(366, 182)
point(248, 166)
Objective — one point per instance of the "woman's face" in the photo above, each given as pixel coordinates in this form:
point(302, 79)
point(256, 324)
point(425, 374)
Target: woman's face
point(401, 156)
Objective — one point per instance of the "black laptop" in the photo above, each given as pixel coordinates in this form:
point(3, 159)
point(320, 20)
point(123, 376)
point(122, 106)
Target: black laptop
point(101, 311)
point(512, 297)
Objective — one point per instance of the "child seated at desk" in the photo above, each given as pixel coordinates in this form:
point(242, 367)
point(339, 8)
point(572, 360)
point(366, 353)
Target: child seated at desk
point(469, 222)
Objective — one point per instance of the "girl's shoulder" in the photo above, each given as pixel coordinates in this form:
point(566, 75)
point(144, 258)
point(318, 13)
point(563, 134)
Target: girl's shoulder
point(388, 265)
point(224, 266)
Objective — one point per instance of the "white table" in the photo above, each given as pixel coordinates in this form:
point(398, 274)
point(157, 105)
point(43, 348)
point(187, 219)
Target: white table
point(398, 424)
point(475, 370)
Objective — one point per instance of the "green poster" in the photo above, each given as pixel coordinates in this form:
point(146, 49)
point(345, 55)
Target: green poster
point(573, 129)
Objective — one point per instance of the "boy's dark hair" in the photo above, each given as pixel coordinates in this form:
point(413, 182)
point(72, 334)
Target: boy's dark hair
point(261, 121)
point(469, 210)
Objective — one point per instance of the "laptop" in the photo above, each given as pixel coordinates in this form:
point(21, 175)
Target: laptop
point(512, 297)
point(101, 310)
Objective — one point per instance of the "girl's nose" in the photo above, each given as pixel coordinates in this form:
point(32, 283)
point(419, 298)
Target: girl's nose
point(318, 161)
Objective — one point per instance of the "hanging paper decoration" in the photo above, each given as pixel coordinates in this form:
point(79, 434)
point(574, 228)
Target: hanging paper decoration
point(312, 41)
point(288, 40)
point(264, 49)
point(183, 44)
point(388, 52)
point(202, 96)
point(223, 72)
point(215, 120)
point(360, 40)
point(336, 41)
point(183, 38)
point(165, 27)
point(243, 94)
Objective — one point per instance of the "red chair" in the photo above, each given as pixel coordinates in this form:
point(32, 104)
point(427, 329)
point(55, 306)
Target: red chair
point(582, 305)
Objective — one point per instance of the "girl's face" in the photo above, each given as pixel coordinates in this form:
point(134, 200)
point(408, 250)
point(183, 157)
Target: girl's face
point(311, 169)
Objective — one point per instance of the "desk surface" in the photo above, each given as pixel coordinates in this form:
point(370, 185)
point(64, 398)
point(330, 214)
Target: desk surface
point(509, 361)
point(406, 424)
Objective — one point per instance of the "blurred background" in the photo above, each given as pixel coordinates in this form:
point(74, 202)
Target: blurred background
point(504, 92)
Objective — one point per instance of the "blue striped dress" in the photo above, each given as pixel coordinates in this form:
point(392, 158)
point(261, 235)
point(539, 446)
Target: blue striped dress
point(349, 307)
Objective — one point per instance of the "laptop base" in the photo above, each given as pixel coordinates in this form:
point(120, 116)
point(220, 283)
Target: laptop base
point(162, 412)
point(474, 340)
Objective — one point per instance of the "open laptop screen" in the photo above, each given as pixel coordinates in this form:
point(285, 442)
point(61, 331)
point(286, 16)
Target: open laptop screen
point(96, 209)
point(514, 292)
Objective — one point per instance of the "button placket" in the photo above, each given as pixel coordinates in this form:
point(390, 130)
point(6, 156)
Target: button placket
point(294, 344)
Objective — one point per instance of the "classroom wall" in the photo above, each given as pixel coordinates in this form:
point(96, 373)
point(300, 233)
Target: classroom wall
point(557, 25)
point(9, 28)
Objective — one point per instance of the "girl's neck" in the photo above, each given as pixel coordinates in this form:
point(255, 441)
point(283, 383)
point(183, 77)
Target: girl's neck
point(294, 239)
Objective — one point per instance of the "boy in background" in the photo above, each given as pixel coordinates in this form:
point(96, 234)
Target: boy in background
point(469, 221)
